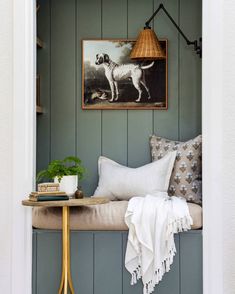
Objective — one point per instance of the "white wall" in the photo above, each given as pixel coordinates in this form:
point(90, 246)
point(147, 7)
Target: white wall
point(17, 152)
point(6, 141)
point(229, 146)
point(219, 145)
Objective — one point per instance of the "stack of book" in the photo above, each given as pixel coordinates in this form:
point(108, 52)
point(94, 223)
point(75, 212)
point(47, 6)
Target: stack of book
point(48, 196)
point(48, 187)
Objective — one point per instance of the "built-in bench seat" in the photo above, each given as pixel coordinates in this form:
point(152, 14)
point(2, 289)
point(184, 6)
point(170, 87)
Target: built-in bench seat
point(98, 245)
point(105, 217)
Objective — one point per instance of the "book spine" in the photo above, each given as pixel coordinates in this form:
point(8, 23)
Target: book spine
point(48, 193)
point(53, 198)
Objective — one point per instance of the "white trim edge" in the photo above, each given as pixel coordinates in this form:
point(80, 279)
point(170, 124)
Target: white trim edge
point(24, 133)
point(212, 77)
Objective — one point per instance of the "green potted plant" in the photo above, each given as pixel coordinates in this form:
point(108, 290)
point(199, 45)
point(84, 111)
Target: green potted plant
point(66, 172)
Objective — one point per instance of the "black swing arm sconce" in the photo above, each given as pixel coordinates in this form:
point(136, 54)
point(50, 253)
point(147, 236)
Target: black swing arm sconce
point(147, 46)
point(196, 43)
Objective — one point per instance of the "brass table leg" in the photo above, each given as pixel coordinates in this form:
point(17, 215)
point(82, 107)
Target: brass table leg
point(66, 280)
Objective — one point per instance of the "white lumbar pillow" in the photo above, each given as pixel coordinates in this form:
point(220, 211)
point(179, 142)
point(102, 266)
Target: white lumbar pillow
point(118, 182)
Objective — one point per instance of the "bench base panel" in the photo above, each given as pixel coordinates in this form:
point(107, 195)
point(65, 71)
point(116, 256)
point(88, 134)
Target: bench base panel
point(97, 263)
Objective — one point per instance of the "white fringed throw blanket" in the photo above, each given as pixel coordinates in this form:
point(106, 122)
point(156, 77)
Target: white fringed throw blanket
point(153, 220)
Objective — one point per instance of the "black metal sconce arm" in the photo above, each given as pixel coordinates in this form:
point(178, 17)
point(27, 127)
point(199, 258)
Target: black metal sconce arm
point(197, 44)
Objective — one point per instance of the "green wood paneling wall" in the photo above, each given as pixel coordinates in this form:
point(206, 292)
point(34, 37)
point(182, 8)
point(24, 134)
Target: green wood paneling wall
point(65, 129)
point(98, 266)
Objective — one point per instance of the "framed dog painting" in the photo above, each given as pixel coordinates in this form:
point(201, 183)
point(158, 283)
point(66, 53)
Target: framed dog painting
point(111, 80)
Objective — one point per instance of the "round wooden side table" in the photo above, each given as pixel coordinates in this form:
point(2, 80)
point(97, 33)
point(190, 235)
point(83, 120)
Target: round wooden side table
point(66, 280)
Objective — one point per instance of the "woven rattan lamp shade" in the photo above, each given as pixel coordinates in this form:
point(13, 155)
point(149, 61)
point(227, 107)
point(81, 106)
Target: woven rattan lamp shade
point(147, 46)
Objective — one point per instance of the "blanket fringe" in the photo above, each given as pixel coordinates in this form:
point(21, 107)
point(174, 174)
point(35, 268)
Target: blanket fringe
point(175, 226)
point(136, 275)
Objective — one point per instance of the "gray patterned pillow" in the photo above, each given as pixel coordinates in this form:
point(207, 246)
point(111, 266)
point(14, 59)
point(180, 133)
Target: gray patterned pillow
point(187, 173)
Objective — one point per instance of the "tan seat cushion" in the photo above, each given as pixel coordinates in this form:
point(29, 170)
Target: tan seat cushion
point(105, 217)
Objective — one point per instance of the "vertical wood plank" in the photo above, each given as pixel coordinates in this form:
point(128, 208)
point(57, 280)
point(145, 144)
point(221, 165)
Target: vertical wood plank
point(166, 121)
point(127, 288)
point(191, 262)
point(88, 122)
point(114, 123)
point(62, 78)
point(82, 261)
point(190, 70)
point(43, 68)
point(140, 122)
point(48, 262)
point(108, 263)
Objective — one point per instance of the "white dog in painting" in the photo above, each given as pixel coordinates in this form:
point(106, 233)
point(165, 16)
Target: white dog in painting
point(115, 72)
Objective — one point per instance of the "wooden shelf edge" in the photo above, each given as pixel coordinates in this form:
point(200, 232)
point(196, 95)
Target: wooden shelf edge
point(39, 109)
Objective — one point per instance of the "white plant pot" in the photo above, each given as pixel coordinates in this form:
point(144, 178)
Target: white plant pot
point(68, 184)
